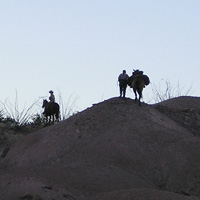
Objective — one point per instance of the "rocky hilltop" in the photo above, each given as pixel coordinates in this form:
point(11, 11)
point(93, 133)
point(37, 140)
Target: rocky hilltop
point(112, 151)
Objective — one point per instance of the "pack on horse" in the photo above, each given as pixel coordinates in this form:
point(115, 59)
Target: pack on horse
point(51, 110)
point(138, 81)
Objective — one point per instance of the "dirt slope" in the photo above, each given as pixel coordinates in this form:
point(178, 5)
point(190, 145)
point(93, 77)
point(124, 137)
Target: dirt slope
point(113, 150)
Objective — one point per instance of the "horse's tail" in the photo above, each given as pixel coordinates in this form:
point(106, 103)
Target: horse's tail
point(138, 84)
point(57, 114)
point(139, 87)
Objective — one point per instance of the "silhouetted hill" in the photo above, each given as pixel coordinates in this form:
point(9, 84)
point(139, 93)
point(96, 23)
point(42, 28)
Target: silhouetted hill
point(113, 150)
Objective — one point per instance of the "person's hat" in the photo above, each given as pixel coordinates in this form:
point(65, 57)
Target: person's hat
point(50, 91)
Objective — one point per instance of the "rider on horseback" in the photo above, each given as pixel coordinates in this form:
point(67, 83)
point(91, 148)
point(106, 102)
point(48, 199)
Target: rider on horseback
point(52, 97)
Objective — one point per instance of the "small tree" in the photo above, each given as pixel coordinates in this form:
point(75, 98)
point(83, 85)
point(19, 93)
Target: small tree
point(20, 117)
point(67, 109)
point(166, 90)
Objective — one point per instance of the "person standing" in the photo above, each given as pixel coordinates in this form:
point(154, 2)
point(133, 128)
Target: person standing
point(123, 80)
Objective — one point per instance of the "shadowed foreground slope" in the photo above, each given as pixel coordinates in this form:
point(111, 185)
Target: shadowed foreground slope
point(113, 150)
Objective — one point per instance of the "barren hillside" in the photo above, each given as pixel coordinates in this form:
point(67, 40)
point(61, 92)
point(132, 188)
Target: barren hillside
point(114, 150)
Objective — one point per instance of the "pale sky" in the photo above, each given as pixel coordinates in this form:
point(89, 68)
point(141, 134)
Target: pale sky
point(79, 47)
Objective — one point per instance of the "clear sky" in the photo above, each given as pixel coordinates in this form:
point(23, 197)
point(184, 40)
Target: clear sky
point(79, 47)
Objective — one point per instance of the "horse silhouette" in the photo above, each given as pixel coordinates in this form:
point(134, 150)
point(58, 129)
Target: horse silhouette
point(138, 81)
point(51, 110)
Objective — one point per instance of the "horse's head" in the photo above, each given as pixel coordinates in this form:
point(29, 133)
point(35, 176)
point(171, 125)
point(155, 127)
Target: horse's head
point(45, 103)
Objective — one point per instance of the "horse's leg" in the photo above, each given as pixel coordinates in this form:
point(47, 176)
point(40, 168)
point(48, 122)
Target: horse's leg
point(139, 100)
point(135, 96)
point(57, 117)
point(135, 93)
point(140, 95)
point(49, 119)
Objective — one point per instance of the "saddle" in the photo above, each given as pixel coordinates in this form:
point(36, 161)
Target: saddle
point(138, 73)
